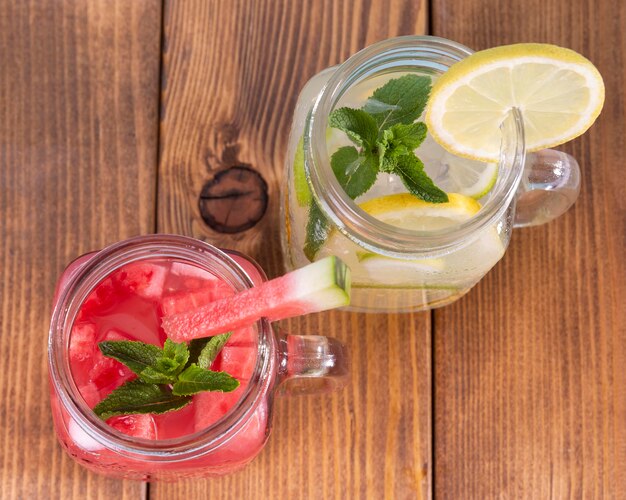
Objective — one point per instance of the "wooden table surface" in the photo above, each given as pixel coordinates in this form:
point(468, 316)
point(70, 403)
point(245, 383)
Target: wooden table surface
point(114, 114)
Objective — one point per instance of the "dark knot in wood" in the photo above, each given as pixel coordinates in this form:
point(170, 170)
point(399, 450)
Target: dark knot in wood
point(234, 200)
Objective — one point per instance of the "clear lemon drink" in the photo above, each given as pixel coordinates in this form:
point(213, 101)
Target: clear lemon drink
point(419, 204)
point(384, 280)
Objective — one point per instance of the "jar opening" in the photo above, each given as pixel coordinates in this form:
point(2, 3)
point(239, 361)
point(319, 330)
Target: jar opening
point(86, 279)
point(417, 54)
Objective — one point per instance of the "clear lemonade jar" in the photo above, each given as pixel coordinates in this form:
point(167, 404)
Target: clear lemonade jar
point(421, 203)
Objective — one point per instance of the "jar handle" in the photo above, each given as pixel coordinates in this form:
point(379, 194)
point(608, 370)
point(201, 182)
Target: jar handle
point(549, 187)
point(310, 364)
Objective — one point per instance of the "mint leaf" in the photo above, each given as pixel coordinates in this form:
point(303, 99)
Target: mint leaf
point(358, 125)
point(317, 230)
point(397, 141)
point(212, 349)
point(136, 355)
point(173, 358)
point(137, 396)
point(195, 379)
point(153, 376)
point(355, 172)
point(401, 100)
point(410, 136)
point(411, 171)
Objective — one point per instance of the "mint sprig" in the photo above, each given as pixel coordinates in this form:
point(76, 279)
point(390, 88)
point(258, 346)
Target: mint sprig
point(137, 396)
point(167, 377)
point(385, 135)
point(169, 364)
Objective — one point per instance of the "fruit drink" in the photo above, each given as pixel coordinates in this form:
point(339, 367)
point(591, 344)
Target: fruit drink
point(383, 281)
point(129, 304)
point(408, 162)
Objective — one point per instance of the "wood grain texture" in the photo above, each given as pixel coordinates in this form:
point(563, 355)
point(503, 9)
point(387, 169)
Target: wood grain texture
point(78, 129)
point(232, 71)
point(530, 400)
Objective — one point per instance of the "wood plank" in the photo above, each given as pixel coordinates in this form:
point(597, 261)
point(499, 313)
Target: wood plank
point(529, 367)
point(232, 73)
point(79, 85)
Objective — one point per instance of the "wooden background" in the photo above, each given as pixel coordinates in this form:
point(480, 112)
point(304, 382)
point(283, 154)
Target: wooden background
point(113, 115)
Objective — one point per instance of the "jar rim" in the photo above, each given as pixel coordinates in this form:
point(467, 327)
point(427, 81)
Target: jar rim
point(85, 279)
point(403, 52)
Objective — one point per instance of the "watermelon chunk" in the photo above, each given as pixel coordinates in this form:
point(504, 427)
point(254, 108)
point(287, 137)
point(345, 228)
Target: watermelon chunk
point(107, 373)
point(173, 424)
point(191, 271)
point(145, 279)
point(82, 341)
point(212, 406)
point(245, 337)
point(237, 360)
point(99, 301)
point(90, 394)
point(114, 335)
point(141, 426)
point(322, 285)
point(189, 277)
point(186, 301)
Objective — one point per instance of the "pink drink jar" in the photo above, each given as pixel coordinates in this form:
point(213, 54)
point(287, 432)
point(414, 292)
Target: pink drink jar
point(285, 364)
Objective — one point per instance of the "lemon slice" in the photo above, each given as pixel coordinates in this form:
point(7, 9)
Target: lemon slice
point(559, 93)
point(380, 268)
point(468, 177)
point(406, 211)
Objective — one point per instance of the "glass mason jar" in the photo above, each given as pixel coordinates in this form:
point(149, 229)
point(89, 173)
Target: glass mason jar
point(285, 364)
point(396, 268)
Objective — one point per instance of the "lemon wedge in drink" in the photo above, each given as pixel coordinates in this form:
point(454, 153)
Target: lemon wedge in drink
point(384, 270)
point(406, 211)
point(559, 93)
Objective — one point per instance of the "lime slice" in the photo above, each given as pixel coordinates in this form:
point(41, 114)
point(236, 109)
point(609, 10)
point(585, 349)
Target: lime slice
point(559, 93)
point(303, 193)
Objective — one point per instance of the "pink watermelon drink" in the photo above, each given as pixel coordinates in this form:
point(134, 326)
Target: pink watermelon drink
point(120, 297)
